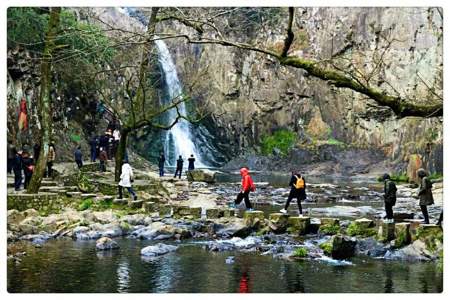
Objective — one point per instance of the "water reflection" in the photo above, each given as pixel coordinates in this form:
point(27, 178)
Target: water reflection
point(123, 276)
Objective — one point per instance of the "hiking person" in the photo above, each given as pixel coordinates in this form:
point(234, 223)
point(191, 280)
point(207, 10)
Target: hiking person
point(298, 191)
point(161, 161)
point(11, 156)
point(103, 157)
point(78, 157)
point(103, 142)
point(247, 186)
point(425, 194)
point(126, 178)
point(93, 143)
point(191, 161)
point(390, 197)
point(110, 147)
point(179, 167)
point(116, 136)
point(36, 151)
point(28, 167)
point(17, 168)
point(51, 156)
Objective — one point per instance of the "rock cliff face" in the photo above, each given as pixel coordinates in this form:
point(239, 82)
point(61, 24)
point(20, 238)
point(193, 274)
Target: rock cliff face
point(251, 95)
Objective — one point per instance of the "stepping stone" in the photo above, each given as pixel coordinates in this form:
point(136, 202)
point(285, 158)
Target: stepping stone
point(329, 221)
point(212, 213)
point(49, 183)
point(402, 235)
point(386, 232)
point(227, 212)
point(136, 203)
point(181, 211)
point(149, 206)
point(252, 218)
point(278, 222)
point(299, 225)
point(196, 212)
point(74, 194)
point(165, 210)
point(88, 195)
point(364, 223)
point(120, 201)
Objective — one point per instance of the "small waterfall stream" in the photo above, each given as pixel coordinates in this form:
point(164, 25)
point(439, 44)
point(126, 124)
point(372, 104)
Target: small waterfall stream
point(178, 140)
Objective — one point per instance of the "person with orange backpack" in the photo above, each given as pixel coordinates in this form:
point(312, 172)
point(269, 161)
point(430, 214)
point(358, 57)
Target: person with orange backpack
point(298, 187)
point(247, 187)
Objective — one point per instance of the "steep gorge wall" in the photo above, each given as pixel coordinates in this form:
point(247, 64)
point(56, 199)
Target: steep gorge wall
point(251, 95)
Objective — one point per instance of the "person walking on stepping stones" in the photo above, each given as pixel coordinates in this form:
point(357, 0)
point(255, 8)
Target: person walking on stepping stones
point(425, 194)
point(126, 178)
point(298, 190)
point(247, 187)
point(390, 197)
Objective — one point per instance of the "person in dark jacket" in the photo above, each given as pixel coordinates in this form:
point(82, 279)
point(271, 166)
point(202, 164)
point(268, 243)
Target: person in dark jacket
point(441, 218)
point(161, 161)
point(28, 167)
point(93, 143)
point(191, 161)
point(298, 191)
point(17, 168)
point(51, 157)
point(78, 157)
point(103, 142)
point(103, 157)
point(425, 194)
point(36, 151)
point(179, 167)
point(11, 155)
point(390, 197)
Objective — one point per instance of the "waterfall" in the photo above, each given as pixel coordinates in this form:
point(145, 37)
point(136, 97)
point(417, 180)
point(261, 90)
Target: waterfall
point(178, 140)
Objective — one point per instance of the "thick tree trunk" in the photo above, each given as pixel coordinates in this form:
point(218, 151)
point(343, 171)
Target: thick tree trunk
point(44, 101)
point(120, 153)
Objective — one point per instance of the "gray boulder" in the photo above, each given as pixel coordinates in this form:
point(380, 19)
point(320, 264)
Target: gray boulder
point(106, 243)
point(158, 249)
point(207, 176)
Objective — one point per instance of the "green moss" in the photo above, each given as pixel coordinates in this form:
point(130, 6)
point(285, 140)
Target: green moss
point(281, 139)
point(329, 229)
point(434, 176)
point(300, 252)
point(327, 247)
point(86, 204)
point(401, 177)
point(333, 141)
point(355, 230)
point(431, 239)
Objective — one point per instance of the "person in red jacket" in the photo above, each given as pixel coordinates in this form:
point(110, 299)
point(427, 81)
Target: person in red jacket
point(247, 187)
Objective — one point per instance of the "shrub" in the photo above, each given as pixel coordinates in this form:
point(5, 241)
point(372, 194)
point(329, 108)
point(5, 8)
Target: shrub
point(281, 139)
point(327, 247)
point(355, 230)
point(329, 229)
point(300, 252)
point(86, 204)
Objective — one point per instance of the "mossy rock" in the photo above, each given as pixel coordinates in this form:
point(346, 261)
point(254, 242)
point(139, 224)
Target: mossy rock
point(212, 213)
point(196, 212)
point(165, 210)
point(253, 218)
point(329, 221)
point(327, 247)
point(330, 229)
point(402, 235)
point(386, 232)
point(278, 222)
point(84, 183)
point(431, 235)
point(300, 252)
point(181, 211)
point(299, 225)
point(150, 206)
point(361, 228)
point(342, 247)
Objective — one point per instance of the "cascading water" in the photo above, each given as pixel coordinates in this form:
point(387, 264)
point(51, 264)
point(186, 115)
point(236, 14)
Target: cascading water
point(178, 140)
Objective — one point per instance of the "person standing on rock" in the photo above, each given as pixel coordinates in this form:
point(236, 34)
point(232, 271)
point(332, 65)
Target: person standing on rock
point(179, 167)
point(161, 162)
point(425, 194)
point(51, 159)
point(11, 156)
point(390, 197)
point(191, 161)
point(103, 157)
point(247, 187)
point(298, 191)
point(93, 143)
point(28, 167)
point(126, 178)
point(78, 157)
point(17, 168)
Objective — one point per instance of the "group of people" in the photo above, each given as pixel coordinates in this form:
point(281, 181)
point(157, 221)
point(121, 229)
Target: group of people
point(179, 168)
point(22, 163)
point(108, 142)
point(298, 191)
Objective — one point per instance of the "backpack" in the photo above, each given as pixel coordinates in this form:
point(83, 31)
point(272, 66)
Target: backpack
point(300, 183)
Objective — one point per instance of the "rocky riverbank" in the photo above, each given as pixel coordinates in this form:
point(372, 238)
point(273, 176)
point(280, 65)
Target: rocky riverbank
point(342, 221)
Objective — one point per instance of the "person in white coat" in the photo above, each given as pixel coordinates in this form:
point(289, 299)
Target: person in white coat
point(126, 178)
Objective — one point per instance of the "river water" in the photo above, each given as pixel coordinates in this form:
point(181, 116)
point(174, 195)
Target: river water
point(75, 267)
